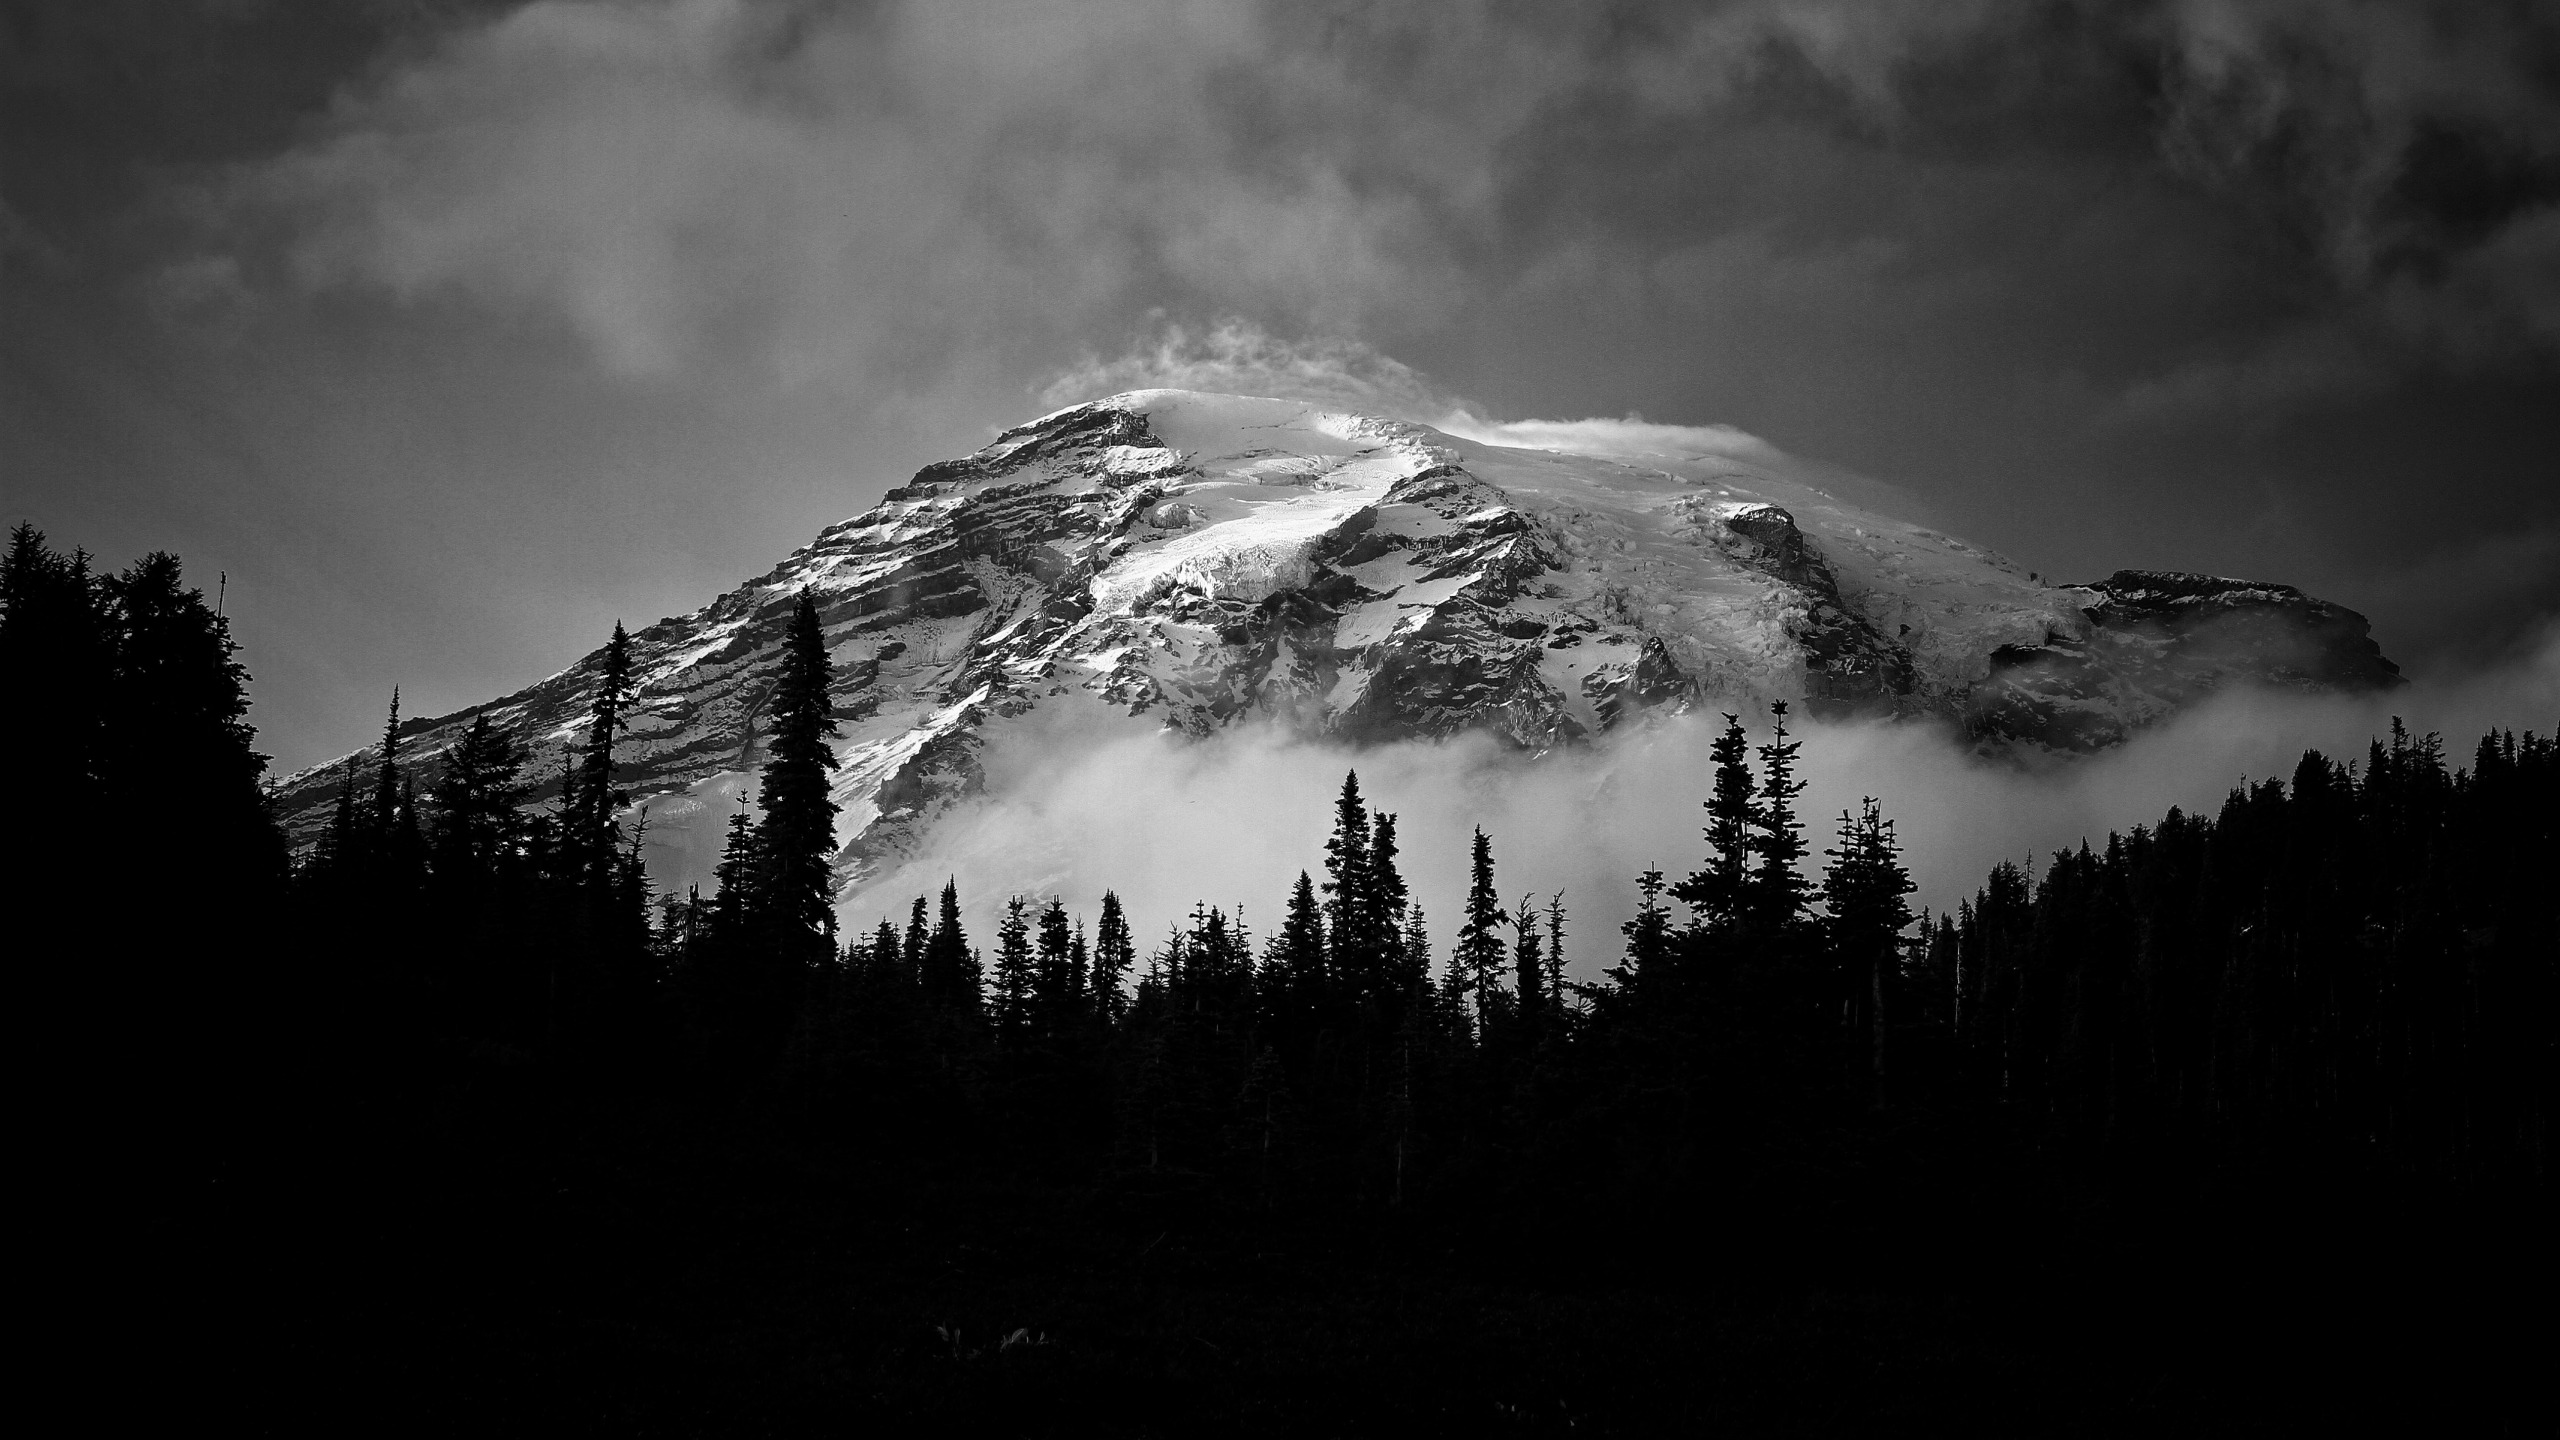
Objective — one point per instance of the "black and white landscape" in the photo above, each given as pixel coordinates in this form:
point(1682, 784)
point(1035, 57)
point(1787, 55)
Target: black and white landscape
point(1174, 869)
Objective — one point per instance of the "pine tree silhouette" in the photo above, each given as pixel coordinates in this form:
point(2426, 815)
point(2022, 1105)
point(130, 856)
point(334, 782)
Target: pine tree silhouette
point(1479, 953)
point(1351, 899)
point(798, 840)
point(1717, 893)
point(1529, 969)
point(587, 812)
point(954, 979)
point(1013, 977)
point(1644, 977)
point(1299, 988)
point(1776, 893)
point(1114, 952)
point(1863, 887)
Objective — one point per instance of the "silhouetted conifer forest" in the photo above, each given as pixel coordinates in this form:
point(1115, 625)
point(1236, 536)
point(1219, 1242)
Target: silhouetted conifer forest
point(452, 1119)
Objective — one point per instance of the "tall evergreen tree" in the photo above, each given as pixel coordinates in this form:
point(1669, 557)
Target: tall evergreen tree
point(54, 633)
point(341, 846)
point(1351, 900)
point(1080, 972)
point(174, 740)
point(914, 946)
point(1645, 974)
point(1715, 893)
point(1777, 894)
point(387, 775)
point(1529, 969)
point(1057, 979)
point(885, 958)
point(475, 801)
point(733, 906)
point(799, 830)
point(1479, 953)
point(1863, 887)
point(587, 810)
point(1014, 976)
point(1298, 954)
point(1114, 952)
point(1414, 944)
point(953, 977)
point(1557, 988)
point(1388, 898)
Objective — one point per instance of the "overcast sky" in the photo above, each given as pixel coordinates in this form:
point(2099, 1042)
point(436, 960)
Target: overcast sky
point(454, 332)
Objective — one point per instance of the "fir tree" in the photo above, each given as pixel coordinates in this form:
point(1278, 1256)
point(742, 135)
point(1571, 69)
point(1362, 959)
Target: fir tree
point(1863, 887)
point(587, 811)
point(798, 839)
point(1014, 976)
point(474, 800)
point(1528, 966)
point(171, 741)
point(1057, 980)
point(912, 949)
point(1416, 944)
point(1114, 952)
point(1351, 901)
point(1479, 952)
point(1080, 971)
point(1387, 901)
point(341, 844)
point(1777, 893)
point(886, 962)
point(953, 976)
point(1298, 955)
point(1644, 974)
point(1715, 893)
point(1557, 988)
point(387, 776)
point(54, 634)
point(733, 904)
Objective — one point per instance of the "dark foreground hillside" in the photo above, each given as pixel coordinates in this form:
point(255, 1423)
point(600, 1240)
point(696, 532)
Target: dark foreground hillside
point(2231, 1124)
point(702, 1275)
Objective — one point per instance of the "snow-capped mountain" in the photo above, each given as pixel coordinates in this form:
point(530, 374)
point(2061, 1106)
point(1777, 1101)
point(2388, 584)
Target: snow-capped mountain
point(1199, 558)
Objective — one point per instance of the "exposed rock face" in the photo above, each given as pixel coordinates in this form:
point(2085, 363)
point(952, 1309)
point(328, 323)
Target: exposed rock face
point(1196, 559)
point(2160, 640)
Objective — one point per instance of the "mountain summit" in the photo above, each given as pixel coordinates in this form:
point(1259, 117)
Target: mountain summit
point(1203, 558)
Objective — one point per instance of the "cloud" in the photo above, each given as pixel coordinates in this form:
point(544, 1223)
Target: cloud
point(2465, 601)
point(1238, 357)
point(2414, 152)
point(846, 193)
point(1079, 802)
point(1752, 267)
point(1633, 438)
point(2296, 369)
point(867, 196)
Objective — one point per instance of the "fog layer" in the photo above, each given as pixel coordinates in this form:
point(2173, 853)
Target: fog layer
point(1078, 802)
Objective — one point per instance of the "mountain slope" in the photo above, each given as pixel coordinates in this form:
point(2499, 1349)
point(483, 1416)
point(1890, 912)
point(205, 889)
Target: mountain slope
point(1197, 558)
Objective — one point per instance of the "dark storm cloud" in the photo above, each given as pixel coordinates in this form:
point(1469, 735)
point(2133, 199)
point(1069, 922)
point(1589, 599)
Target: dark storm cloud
point(835, 190)
point(2201, 284)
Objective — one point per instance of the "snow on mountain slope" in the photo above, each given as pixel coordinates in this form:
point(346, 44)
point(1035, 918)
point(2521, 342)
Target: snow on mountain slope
point(1190, 559)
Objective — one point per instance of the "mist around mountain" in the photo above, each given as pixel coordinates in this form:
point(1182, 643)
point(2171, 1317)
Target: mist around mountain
point(1167, 563)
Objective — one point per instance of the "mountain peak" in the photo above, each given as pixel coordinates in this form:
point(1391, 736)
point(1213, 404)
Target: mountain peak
point(1196, 559)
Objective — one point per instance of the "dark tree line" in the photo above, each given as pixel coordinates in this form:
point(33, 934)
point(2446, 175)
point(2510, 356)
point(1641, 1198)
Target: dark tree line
point(146, 869)
point(2352, 968)
point(2355, 967)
